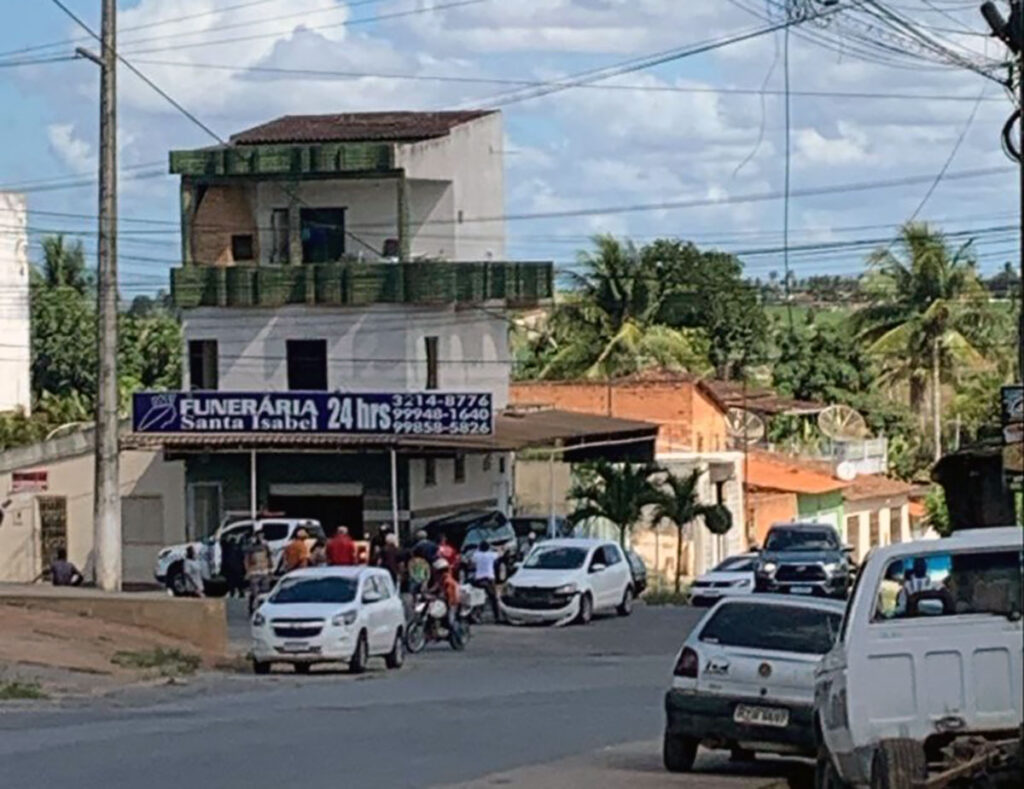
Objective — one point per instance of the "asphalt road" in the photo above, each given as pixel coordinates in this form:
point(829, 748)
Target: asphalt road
point(530, 707)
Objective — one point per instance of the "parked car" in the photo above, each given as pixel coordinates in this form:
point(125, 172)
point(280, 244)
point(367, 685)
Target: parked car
point(329, 614)
point(744, 678)
point(804, 559)
point(927, 673)
point(539, 526)
point(569, 579)
point(734, 576)
point(639, 571)
point(466, 530)
point(277, 532)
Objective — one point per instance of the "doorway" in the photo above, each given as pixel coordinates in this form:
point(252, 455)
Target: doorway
point(331, 511)
point(53, 527)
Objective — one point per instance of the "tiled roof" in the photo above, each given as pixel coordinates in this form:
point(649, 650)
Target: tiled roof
point(761, 401)
point(774, 472)
point(871, 486)
point(357, 127)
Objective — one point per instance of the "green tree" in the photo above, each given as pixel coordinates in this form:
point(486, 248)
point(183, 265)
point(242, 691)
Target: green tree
point(821, 362)
point(64, 265)
point(677, 502)
point(615, 492)
point(63, 341)
point(927, 311)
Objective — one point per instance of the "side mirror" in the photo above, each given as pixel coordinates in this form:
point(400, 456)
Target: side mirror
point(598, 568)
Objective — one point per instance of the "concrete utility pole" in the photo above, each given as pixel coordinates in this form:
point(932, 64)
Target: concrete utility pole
point(107, 501)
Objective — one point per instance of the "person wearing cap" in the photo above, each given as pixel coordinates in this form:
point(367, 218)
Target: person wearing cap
point(444, 586)
point(296, 553)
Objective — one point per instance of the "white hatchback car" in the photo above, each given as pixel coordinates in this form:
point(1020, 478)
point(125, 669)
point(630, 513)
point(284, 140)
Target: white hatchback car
point(744, 679)
point(569, 579)
point(734, 576)
point(329, 614)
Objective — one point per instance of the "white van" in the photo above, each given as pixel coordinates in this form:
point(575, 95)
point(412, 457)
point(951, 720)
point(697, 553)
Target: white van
point(930, 651)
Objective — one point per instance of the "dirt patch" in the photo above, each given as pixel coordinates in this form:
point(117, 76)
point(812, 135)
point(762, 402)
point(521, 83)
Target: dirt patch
point(61, 654)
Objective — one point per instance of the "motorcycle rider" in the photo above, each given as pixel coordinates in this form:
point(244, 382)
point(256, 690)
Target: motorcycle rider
point(443, 586)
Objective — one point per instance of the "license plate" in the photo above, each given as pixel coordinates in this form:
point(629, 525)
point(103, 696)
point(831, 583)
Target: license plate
point(801, 589)
point(295, 646)
point(761, 716)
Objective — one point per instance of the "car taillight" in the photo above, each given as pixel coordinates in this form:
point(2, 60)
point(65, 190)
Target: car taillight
point(687, 664)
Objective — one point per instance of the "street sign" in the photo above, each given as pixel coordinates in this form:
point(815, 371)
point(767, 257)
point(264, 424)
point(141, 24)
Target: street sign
point(31, 481)
point(395, 414)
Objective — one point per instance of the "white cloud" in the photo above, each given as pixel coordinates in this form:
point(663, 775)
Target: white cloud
point(74, 153)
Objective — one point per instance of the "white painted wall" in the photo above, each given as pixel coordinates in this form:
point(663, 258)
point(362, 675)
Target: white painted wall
point(15, 365)
point(472, 158)
point(862, 509)
point(375, 348)
point(481, 484)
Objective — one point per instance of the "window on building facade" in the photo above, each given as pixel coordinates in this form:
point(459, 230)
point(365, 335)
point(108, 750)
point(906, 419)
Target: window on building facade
point(853, 533)
point(202, 364)
point(874, 529)
point(895, 521)
point(242, 248)
point(432, 376)
point(429, 472)
point(280, 226)
point(460, 468)
point(307, 365)
point(323, 234)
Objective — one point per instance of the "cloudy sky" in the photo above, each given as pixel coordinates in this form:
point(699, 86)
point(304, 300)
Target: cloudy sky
point(691, 148)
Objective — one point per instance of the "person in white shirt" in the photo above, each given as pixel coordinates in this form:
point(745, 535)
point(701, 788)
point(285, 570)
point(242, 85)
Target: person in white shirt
point(917, 581)
point(484, 561)
point(193, 572)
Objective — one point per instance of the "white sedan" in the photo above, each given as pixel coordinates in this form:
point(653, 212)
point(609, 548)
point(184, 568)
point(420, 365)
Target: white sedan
point(734, 576)
point(744, 679)
point(329, 614)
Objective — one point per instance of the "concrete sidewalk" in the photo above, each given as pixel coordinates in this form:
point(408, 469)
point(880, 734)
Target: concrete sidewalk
point(201, 622)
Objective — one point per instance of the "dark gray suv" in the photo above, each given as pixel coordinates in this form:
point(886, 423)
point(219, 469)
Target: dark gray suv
point(804, 559)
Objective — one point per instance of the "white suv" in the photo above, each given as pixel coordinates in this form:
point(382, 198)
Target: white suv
point(329, 614)
point(565, 580)
point(930, 652)
point(276, 532)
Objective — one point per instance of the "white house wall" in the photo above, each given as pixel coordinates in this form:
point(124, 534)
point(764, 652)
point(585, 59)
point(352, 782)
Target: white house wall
point(376, 348)
point(485, 487)
point(15, 381)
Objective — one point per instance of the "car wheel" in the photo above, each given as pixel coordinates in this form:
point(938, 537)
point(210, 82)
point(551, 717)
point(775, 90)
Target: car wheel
point(415, 638)
point(396, 657)
point(357, 664)
point(679, 753)
point(898, 764)
point(301, 668)
point(626, 606)
point(586, 612)
point(260, 667)
point(176, 582)
point(825, 774)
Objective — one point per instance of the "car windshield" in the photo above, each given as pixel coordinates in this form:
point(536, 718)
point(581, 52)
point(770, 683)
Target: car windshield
point(316, 590)
point(737, 564)
point(785, 628)
point(801, 540)
point(555, 558)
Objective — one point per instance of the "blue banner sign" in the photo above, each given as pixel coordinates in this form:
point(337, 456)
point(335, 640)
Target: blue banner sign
point(416, 414)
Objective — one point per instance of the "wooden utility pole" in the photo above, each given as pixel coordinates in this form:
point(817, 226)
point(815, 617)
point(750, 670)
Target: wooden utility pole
point(107, 500)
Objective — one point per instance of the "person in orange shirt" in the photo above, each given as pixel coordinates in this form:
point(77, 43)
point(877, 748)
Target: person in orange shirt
point(296, 553)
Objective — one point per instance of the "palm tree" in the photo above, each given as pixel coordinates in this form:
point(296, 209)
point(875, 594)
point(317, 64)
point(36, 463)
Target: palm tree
point(615, 492)
point(928, 310)
point(64, 264)
point(677, 502)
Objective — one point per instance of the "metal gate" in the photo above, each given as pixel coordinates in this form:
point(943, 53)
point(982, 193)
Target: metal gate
point(53, 527)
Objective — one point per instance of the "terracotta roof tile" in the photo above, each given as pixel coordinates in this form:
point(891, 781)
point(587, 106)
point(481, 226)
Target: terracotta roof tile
point(870, 486)
point(774, 472)
point(357, 127)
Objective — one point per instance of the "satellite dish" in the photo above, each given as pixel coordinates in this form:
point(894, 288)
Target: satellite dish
point(846, 471)
point(842, 423)
point(744, 426)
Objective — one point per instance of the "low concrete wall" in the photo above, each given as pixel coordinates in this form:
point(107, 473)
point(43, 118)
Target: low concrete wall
point(202, 623)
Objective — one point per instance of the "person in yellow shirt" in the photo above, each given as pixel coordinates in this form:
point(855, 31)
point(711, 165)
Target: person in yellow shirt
point(297, 552)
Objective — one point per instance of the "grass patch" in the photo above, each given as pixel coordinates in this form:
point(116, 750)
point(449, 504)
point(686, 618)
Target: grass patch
point(169, 662)
point(12, 690)
point(665, 597)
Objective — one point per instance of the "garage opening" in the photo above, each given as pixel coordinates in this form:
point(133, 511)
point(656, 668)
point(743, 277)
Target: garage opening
point(332, 505)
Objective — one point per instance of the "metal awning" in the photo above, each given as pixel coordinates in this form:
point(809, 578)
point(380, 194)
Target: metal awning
point(578, 436)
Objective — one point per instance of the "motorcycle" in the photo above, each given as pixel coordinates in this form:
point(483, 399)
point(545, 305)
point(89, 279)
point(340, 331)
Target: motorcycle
point(430, 623)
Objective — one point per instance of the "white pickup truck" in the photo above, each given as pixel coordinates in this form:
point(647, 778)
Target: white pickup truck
point(276, 532)
point(923, 687)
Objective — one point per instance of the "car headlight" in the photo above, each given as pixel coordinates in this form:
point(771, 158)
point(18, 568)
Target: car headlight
point(741, 583)
point(258, 620)
point(345, 619)
point(567, 589)
point(769, 567)
point(164, 553)
point(832, 567)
